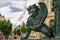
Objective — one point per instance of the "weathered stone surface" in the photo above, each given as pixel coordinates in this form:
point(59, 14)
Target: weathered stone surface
point(56, 7)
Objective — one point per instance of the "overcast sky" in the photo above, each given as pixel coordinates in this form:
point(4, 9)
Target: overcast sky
point(13, 9)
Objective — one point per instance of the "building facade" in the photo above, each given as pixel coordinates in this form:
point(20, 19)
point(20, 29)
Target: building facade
point(50, 12)
point(2, 17)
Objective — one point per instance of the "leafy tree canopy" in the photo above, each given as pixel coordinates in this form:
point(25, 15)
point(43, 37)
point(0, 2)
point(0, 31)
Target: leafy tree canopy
point(5, 27)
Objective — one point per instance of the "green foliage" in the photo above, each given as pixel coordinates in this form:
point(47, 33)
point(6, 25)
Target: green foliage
point(23, 28)
point(17, 30)
point(5, 27)
point(20, 29)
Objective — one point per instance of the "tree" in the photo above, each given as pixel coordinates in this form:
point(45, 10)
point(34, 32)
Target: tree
point(23, 28)
point(5, 27)
point(17, 30)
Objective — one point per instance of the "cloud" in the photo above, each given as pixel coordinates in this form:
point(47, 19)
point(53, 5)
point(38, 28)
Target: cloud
point(14, 9)
point(4, 4)
point(10, 0)
point(14, 17)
